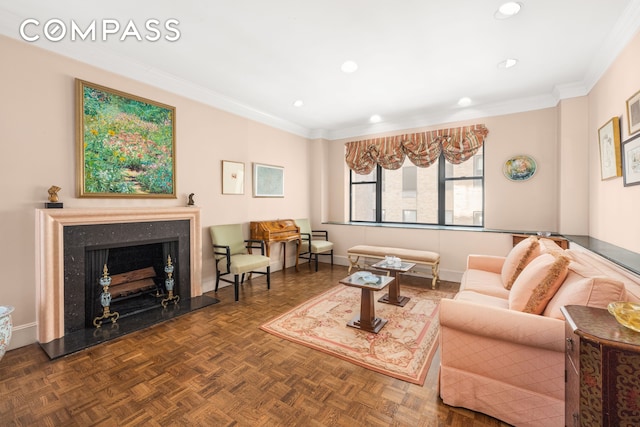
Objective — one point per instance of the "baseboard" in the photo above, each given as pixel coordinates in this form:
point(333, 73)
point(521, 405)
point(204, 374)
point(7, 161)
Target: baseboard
point(22, 335)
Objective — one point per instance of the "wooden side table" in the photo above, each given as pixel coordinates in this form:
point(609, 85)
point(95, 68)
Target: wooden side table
point(602, 369)
point(367, 320)
point(394, 297)
point(560, 241)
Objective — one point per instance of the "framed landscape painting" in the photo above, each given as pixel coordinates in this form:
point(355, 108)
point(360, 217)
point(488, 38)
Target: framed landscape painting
point(268, 181)
point(125, 144)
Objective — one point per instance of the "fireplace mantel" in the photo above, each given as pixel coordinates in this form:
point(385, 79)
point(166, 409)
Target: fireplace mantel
point(50, 224)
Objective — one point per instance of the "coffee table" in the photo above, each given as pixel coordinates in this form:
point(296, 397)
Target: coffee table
point(394, 297)
point(367, 320)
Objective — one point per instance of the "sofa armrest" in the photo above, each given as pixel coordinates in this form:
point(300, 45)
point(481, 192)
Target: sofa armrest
point(498, 323)
point(491, 263)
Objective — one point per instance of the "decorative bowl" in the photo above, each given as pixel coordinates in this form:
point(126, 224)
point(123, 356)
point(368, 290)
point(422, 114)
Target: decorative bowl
point(5, 328)
point(544, 233)
point(626, 313)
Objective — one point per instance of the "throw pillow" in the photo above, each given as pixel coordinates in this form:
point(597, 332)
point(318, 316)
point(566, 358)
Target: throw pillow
point(538, 283)
point(518, 258)
point(590, 291)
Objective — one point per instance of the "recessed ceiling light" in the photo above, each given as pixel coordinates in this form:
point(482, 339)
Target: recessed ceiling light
point(464, 101)
point(349, 67)
point(508, 63)
point(507, 10)
point(375, 118)
point(298, 103)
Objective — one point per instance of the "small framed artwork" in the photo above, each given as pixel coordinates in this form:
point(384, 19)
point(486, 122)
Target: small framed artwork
point(126, 145)
point(609, 141)
point(633, 113)
point(268, 180)
point(519, 168)
point(631, 161)
point(232, 177)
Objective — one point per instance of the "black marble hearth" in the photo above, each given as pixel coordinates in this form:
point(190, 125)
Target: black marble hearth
point(88, 337)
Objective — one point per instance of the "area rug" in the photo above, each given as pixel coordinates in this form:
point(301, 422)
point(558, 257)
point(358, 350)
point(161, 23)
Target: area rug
point(403, 349)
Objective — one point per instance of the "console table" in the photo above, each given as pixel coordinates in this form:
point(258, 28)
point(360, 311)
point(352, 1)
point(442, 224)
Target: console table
point(602, 369)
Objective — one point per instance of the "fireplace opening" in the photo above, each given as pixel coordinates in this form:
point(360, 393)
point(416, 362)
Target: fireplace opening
point(137, 275)
point(126, 248)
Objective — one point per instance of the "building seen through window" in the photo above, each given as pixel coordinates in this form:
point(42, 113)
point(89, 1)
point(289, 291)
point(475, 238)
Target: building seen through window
point(444, 194)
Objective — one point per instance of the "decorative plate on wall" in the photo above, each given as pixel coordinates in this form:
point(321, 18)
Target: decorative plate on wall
point(519, 168)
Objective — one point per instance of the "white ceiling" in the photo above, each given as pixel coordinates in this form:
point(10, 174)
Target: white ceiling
point(416, 57)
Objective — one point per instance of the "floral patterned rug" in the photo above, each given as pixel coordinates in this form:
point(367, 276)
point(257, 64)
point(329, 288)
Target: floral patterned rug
point(402, 349)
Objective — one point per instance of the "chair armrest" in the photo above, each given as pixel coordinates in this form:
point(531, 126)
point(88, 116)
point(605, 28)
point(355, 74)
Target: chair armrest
point(255, 244)
point(491, 263)
point(320, 233)
point(526, 329)
point(223, 251)
point(305, 236)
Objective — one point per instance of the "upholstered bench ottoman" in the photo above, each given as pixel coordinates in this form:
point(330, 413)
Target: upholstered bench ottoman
point(415, 256)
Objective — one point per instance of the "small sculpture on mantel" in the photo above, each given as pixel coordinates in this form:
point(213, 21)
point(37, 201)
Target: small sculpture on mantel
point(53, 193)
point(191, 202)
point(53, 197)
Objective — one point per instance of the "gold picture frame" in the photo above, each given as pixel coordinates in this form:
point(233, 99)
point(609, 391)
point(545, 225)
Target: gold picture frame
point(609, 144)
point(126, 144)
point(232, 177)
point(633, 113)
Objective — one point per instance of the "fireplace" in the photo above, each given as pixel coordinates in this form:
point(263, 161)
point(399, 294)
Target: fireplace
point(70, 242)
point(123, 248)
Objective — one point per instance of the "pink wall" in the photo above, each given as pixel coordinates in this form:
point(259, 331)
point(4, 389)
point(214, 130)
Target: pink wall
point(613, 208)
point(38, 141)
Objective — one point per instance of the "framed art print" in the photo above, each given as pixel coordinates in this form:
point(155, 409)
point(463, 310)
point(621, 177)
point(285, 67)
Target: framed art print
point(268, 180)
point(126, 144)
point(631, 161)
point(609, 143)
point(232, 177)
point(633, 113)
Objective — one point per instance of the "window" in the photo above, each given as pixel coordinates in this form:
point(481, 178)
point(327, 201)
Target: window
point(444, 194)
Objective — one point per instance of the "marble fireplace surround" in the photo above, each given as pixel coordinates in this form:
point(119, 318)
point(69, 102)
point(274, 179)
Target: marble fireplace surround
point(50, 225)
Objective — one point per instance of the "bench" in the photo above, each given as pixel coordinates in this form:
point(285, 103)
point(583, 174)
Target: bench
point(415, 256)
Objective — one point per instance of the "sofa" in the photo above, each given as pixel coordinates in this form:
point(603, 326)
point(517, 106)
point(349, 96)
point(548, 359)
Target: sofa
point(502, 336)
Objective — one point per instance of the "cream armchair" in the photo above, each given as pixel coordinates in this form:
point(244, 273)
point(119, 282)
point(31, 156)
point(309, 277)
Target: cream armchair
point(233, 255)
point(314, 242)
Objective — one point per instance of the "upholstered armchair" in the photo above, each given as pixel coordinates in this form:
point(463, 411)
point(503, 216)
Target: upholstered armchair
point(233, 255)
point(314, 242)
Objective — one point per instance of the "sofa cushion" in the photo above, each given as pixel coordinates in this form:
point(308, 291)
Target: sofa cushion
point(518, 258)
point(590, 291)
point(483, 282)
point(538, 283)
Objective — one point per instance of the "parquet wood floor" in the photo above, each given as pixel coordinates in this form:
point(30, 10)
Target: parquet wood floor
point(214, 367)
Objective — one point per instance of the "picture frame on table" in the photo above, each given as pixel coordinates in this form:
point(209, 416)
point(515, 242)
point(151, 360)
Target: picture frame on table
point(633, 113)
point(631, 161)
point(232, 177)
point(268, 180)
point(609, 145)
point(125, 144)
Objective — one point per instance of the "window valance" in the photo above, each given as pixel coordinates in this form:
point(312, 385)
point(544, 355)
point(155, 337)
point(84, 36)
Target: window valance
point(423, 148)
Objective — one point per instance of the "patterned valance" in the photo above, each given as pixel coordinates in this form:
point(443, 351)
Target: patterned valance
point(423, 148)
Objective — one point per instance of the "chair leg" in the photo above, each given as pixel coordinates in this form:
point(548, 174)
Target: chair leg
point(316, 256)
point(331, 256)
point(217, 279)
point(268, 277)
point(236, 286)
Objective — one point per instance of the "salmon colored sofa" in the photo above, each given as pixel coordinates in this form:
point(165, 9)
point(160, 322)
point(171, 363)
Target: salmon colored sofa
point(502, 336)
